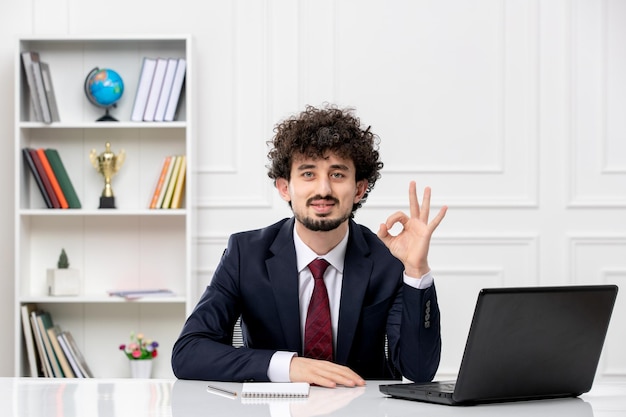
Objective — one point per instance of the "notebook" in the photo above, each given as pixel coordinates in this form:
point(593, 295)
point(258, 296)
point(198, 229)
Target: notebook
point(275, 390)
point(523, 344)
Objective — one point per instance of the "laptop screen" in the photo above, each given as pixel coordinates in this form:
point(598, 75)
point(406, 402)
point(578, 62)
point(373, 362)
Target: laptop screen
point(534, 342)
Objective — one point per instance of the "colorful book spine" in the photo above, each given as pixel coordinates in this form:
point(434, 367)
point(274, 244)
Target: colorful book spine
point(168, 176)
point(160, 182)
point(180, 184)
point(53, 179)
point(33, 169)
point(63, 178)
point(171, 184)
point(44, 178)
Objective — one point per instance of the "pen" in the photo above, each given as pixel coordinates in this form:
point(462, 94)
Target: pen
point(221, 391)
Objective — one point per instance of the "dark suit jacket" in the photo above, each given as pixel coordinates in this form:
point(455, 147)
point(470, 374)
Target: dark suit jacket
point(257, 279)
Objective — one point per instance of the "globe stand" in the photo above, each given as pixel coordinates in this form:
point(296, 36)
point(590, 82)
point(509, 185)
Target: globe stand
point(107, 117)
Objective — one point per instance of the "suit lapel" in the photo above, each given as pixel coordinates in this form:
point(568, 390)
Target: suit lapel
point(356, 276)
point(283, 275)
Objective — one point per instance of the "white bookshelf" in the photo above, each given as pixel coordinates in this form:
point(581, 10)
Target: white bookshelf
point(130, 246)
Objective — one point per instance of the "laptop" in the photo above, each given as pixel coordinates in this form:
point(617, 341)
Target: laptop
point(525, 344)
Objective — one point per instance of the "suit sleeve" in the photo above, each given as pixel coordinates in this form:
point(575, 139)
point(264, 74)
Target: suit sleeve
point(414, 333)
point(204, 348)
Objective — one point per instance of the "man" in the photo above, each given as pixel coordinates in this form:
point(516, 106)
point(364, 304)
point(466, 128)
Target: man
point(380, 288)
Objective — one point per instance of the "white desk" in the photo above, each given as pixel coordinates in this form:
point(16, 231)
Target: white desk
point(164, 398)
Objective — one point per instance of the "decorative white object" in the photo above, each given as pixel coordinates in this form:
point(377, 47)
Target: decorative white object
point(63, 281)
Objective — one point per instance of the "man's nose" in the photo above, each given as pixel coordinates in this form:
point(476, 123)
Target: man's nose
point(323, 187)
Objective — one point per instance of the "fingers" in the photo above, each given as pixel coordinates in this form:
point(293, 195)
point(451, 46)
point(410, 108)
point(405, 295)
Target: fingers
point(416, 212)
point(425, 210)
point(323, 373)
point(442, 213)
point(414, 205)
point(421, 212)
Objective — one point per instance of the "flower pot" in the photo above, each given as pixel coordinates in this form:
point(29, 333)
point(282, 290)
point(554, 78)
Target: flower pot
point(140, 368)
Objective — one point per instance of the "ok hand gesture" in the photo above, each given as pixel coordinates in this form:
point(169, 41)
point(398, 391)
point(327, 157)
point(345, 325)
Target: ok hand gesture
point(411, 245)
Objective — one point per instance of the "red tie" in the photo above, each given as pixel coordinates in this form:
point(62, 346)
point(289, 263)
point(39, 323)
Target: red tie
point(318, 334)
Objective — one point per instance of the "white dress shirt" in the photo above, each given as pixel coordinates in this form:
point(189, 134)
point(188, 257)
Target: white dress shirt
point(278, 370)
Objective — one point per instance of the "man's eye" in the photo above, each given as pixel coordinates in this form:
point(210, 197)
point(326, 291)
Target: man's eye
point(337, 175)
point(307, 174)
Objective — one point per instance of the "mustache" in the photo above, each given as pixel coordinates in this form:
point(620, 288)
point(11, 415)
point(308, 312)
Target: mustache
point(321, 197)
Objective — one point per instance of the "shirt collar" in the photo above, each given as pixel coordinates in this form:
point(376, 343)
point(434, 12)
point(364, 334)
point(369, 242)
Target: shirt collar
point(304, 254)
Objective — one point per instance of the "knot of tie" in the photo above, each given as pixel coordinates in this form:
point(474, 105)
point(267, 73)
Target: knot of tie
point(318, 267)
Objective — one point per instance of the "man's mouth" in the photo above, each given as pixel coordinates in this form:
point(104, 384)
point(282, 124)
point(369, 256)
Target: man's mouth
point(322, 206)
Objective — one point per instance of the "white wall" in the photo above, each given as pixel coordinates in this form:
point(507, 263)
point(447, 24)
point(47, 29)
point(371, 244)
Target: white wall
point(512, 110)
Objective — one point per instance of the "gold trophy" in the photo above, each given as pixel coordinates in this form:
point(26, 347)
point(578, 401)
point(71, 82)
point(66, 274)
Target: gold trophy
point(107, 164)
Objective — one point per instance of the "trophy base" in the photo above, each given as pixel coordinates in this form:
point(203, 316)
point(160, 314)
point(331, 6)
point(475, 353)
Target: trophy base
point(107, 202)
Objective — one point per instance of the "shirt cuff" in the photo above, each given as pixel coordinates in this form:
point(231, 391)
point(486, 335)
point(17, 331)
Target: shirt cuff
point(278, 370)
point(420, 283)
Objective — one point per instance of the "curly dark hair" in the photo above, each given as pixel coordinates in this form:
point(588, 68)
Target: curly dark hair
point(314, 132)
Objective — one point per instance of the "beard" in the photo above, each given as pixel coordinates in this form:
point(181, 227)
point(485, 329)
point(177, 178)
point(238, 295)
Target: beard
point(321, 224)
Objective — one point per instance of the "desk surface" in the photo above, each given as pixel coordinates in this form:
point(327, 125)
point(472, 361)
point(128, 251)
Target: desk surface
point(38, 397)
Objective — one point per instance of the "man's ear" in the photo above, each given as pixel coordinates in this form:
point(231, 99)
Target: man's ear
point(282, 185)
point(361, 188)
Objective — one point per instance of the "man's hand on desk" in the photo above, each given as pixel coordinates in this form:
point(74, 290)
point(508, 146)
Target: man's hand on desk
point(322, 373)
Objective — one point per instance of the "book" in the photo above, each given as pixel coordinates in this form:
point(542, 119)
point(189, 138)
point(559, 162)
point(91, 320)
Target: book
point(177, 86)
point(180, 183)
point(44, 179)
point(29, 340)
point(275, 390)
point(27, 65)
point(171, 184)
point(143, 89)
point(41, 350)
point(155, 90)
point(49, 91)
point(52, 178)
point(160, 182)
point(63, 178)
point(53, 333)
point(71, 359)
point(41, 91)
point(33, 169)
point(44, 321)
point(140, 293)
point(166, 182)
point(77, 354)
point(168, 81)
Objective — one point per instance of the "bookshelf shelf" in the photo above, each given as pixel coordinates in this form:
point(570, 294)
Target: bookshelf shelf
point(90, 299)
point(101, 213)
point(104, 125)
point(130, 246)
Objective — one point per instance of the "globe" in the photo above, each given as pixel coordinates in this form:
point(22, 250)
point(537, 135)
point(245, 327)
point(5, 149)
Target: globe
point(104, 88)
